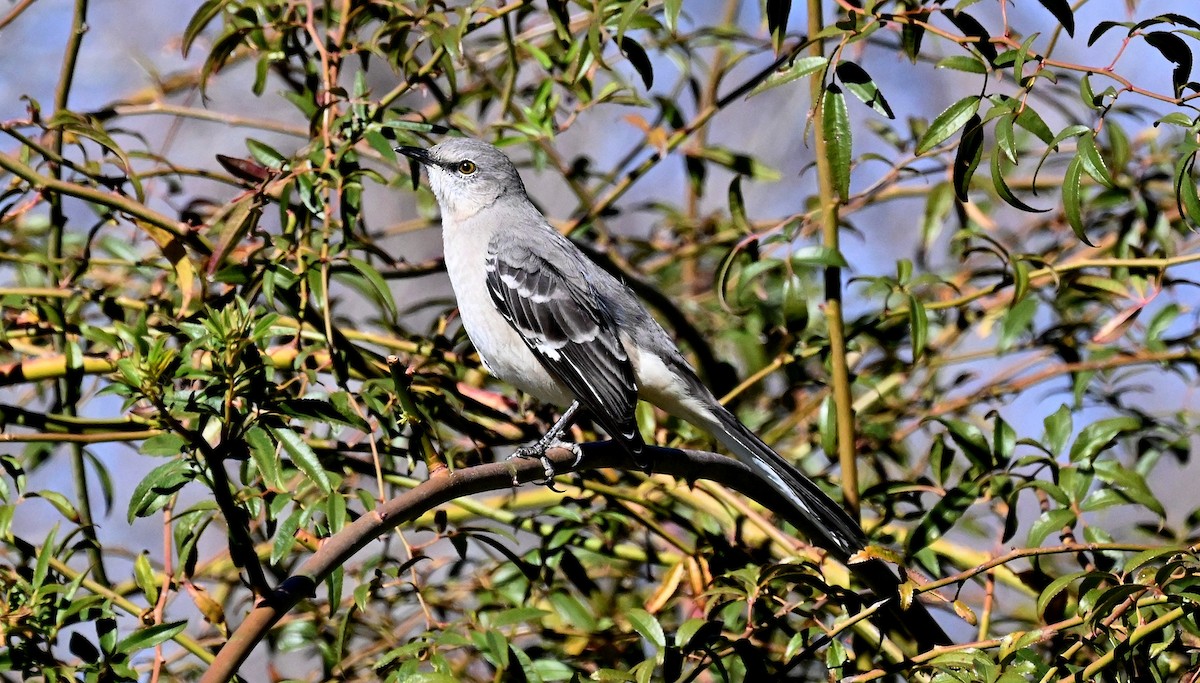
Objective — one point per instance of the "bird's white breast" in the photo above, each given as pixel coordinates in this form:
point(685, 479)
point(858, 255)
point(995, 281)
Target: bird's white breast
point(500, 347)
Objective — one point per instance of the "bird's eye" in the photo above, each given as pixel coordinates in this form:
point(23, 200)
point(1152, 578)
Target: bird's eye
point(466, 167)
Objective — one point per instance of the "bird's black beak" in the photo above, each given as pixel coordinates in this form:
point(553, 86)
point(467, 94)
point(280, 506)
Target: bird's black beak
point(417, 154)
point(420, 157)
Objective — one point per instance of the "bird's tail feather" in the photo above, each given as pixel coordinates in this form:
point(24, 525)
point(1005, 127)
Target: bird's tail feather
point(826, 524)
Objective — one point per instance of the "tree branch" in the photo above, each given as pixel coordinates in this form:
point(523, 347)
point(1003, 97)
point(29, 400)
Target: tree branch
point(436, 491)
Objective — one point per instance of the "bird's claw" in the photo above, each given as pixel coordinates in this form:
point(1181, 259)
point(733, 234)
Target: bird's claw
point(538, 450)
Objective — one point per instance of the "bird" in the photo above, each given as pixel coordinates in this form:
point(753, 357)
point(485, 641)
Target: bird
point(548, 320)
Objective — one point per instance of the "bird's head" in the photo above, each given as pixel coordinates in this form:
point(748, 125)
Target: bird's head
point(467, 175)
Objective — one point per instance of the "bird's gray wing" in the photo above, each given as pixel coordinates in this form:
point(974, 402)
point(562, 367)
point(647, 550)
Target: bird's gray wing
point(568, 327)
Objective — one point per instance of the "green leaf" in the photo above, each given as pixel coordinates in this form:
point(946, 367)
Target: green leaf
point(638, 58)
point(816, 255)
point(265, 154)
point(304, 457)
point(1103, 27)
point(573, 610)
point(1186, 196)
point(827, 423)
point(158, 486)
point(938, 203)
point(149, 637)
point(1056, 586)
point(1176, 51)
point(1049, 522)
point(647, 625)
point(1016, 321)
point(948, 123)
point(966, 159)
point(1072, 201)
point(835, 129)
point(860, 84)
point(285, 536)
point(671, 14)
point(1093, 164)
point(798, 69)
point(971, 440)
point(942, 516)
point(144, 577)
point(1001, 185)
point(199, 20)
point(737, 206)
point(777, 19)
point(918, 323)
point(166, 444)
point(1098, 436)
point(972, 65)
point(265, 456)
point(1061, 9)
point(1030, 120)
point(1058, 429)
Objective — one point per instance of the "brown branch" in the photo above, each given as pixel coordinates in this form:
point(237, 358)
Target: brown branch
point(449, 486)
point(114, 201)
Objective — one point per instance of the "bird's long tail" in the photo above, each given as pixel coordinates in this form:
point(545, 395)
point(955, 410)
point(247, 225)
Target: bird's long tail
point(824, 522)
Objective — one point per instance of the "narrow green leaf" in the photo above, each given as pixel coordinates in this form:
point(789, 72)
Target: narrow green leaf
point(816, 255)
point(1001, 185)
point(285, 536)
point(1129, 483)
point(1005, 139)
point(1072, 201)
point(799, 69)
point(671, 13)
point(1061, 9)
point(972, 65)
point(1103, 27)
point(777, 19)
point(1049, 522)
point(838, 140)
point(1186, 196)
point(1020, 281)
point(942, 516)
point(966, 159)
point(199, 20)
point(153, 491)
point(860, 84)
point(265, 154)
point(1030, 120)
point(737, 206)
point(918, 322)
point(1093, 164)
point(41, 568)
point(383, 294)
point(1098, 436)
point(948, 123)
point(146, 638)
point(645, 624)
point(144, 577)
point(938, 203)
point(1176, 51)
point(827, 423)
point(638, 58)
point(303, 456)
point(1056, 586)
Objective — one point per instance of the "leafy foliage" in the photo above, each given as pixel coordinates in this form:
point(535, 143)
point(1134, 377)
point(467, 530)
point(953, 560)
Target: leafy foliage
point(1009, 376)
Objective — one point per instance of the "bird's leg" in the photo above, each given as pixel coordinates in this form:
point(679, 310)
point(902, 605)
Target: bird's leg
point(550, 440)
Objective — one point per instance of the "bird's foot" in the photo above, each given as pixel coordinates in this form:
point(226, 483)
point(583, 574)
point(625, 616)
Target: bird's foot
point(537, 450)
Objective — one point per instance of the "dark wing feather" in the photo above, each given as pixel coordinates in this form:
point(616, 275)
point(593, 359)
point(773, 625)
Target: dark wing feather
point(568, 328)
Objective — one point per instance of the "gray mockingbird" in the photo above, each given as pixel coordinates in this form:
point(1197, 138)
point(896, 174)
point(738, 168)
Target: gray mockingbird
point(552, 323)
